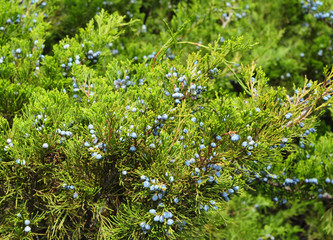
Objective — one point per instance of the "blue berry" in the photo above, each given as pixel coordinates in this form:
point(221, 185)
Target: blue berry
point(132, 149)
point(147, 227)
point(224, 195)
point(146, 184)
point(154, 198)
point(170, 222)
point(288, 115)
point(230, 191)
point(171, 179)
point(133, 135)
point(27, 229)
point(152, 211)
point(75, 195)
point(235, 138)
point(143, 177)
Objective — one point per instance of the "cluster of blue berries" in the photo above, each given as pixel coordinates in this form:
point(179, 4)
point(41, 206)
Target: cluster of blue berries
point(87, 89)
point(10, 144)
point(158, 124)
point(195, 91)
point(169, 54)
point(290, 182)
point(288, 75)
point(249, 144)
point(206, 207)
point(27, 228)
point(17, 53)
point(145, 227)
point(91, 55)
point(238, 14)
point(150, 56)
point(287, 183)
point(158, 189)
point(70, 187)
point(312, 7)
point(226, 195)
point(64, 135)
point(23, 20)
point(114, 51)
point(189, 162)
point(39, 121)
point(311, 180)
point(216, 170)
point(123, 83)
point(213, 72)
point(165, 216)
point(99, 146)
point(70, 64)
point(20, 162)
point(276, 199)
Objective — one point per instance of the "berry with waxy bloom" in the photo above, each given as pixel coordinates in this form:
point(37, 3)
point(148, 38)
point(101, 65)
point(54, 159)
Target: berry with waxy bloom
point(170, 222)
point(132, 148)
point(235, 137)
point(27, 229)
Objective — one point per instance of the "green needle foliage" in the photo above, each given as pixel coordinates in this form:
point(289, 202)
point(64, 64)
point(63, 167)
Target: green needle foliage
point(105, 143)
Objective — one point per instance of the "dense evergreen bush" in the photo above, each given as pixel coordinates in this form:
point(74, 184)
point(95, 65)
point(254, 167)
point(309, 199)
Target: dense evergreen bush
point(165, 120)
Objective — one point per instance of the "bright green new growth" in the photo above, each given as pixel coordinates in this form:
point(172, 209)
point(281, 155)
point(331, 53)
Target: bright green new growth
point(105, 203)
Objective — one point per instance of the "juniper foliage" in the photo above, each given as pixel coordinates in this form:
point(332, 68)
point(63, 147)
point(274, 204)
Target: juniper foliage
point(99, 140)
